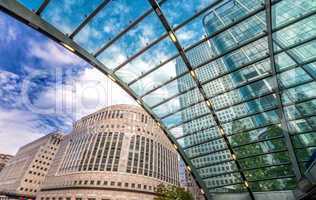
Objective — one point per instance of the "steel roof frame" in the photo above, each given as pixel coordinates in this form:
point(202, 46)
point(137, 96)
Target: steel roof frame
point(13, 8)
point(16, 10)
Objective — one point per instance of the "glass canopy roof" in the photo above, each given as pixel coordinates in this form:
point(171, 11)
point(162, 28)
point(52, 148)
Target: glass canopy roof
point(231, 82)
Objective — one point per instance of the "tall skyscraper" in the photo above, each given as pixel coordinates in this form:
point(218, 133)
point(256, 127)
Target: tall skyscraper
point(118, 152)
point(24, 175)
point(217, 88)
point(188, 182)
point(239, 84)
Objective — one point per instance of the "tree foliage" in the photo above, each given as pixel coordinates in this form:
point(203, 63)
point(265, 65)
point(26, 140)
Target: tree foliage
point(172, 193)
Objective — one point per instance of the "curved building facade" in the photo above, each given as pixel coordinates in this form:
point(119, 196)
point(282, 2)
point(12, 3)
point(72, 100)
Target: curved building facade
point(118, 152)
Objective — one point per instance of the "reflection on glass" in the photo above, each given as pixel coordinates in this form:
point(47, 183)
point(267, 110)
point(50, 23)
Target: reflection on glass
point(33, 5)
point(67, 15)
point(110, 21)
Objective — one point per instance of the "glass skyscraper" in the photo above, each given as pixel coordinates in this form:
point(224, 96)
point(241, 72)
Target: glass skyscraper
point(249, 89)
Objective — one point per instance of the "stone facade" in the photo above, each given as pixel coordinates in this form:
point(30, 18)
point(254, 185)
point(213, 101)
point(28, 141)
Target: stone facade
point(26, 171)
point(116, 153)
point(4, 159)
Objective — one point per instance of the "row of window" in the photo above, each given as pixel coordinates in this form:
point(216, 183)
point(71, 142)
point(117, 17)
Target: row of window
point(113, 114)
point(93, 152)
point(150, 158)
point(27, 189)
point(68, 198)
point(113, 184)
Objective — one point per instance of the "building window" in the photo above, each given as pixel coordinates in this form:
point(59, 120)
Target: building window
point(119, 184)
point(133, 185)
point(105, 183)
point(139, 186)
point(112, 183)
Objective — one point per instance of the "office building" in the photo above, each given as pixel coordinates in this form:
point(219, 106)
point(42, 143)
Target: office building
point(4, 158)
point(25, 172)
point(188, 182)
point(118, 152)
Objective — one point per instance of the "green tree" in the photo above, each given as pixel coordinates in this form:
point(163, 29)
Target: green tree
point(263, 162)
point(172, 193)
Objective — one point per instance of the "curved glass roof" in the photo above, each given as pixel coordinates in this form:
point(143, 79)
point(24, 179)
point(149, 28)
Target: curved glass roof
point(232, 82)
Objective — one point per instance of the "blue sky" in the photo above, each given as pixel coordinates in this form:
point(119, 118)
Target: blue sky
point(44, 87)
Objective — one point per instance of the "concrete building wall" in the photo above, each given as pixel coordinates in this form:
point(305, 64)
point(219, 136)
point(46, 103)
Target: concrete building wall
point(26, 171)
point(118, 152)
point(4, 159)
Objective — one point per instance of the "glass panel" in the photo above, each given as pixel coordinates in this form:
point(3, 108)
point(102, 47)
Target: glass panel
point(215, 170)
point(213, 146)
point(305, 154)
point(302, 125)
point(301, 30)
point(233, 178)
point(305, 52)
point(300, 110)
point(288, 10)
point(275, 184)
point(228, 39)
point(176, 11)
point(33, 5)
point(252, 122)
point(238, 190)
point(149, 60)
point(260, 147)
point(283, 61)
point(255, 135)
point(210, 159)
point(293, 77)
point(67, 15)
point(177, 86)
point(222, 15)
point(153, 80)
point(269, 172)
point(265, 160)
point(299, 93)
point(304, 140)
point(251, 90)
point(110, 21)
point(134, 41)
point(199, 137)
point(186, 114)
point(178, 102)
point(193, 126)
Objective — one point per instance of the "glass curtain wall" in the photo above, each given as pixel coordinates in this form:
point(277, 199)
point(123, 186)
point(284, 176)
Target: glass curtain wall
point(232, 82)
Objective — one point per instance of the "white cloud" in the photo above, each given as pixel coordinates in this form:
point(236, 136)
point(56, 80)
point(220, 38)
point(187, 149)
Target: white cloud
point(17, 128)
point(52, 53)
point(81, 95)
point(10, 32)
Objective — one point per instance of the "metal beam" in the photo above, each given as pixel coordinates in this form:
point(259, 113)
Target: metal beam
point(284, 122)
point(291, 22)
point(42, 7)
point(285, 49)
point(185, 59)
point(235, 22)
point(16, 10)
point(129, 27)
point(89, 18)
